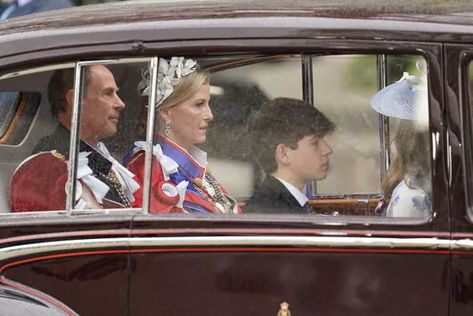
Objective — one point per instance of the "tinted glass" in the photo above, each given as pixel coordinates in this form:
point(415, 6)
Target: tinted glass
point(8, 106)
point(113, 117)
point(33, 175)
point(344, 87)
point(237, 92)
point(336, 142)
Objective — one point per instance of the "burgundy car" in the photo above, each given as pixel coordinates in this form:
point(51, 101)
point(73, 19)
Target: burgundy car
point(346, 258)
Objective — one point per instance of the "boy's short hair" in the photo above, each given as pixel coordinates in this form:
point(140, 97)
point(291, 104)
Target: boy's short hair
point(284, 121)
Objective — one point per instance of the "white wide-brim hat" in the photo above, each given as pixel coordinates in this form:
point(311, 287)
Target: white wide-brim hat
point(404, 99)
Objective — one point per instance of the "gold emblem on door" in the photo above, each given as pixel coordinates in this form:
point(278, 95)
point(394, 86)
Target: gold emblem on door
point(284, 311)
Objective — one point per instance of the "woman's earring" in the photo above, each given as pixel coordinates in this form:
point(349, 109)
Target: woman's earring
point(167, 128)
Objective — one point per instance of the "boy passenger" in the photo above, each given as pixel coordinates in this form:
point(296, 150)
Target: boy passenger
point(288, 140)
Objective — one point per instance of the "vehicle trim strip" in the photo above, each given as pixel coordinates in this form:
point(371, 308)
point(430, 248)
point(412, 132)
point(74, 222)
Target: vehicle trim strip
point(367, 243)
point(153, 68)
point(227, 231)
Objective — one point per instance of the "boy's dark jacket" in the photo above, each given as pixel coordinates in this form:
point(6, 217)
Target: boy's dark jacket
point(273, 197)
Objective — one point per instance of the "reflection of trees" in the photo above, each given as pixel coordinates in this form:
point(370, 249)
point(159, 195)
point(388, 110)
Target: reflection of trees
point(361, 73)
point(344, 88)
point(397, 65)
point(228, 138)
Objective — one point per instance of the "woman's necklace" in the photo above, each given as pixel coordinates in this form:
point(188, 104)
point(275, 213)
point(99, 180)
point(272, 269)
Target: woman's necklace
point(222, 203)
point(210, 189)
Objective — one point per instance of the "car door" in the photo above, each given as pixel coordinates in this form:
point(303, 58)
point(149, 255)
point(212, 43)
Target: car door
point(458, 93)
point(73, 258)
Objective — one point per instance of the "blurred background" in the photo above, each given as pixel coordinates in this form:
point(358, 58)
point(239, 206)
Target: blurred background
point(14, 8)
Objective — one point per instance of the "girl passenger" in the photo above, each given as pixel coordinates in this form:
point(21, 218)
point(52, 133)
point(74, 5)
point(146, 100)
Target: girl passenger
point(407, 186)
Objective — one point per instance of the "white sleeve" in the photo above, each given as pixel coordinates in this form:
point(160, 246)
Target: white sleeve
point(408, 202)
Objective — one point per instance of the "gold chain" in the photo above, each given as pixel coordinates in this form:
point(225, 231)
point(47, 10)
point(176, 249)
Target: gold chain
point(112, 177)
point(219, 196)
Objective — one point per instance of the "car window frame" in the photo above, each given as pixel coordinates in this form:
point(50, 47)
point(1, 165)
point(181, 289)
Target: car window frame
point(76, 123)
point(466, 115)
point(430, 51)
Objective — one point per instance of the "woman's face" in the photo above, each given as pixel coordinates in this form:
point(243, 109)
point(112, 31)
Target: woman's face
point(190, 119)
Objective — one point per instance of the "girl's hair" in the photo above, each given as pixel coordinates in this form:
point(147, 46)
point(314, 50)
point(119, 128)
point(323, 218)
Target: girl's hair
point(412, 157)
point(186, 88)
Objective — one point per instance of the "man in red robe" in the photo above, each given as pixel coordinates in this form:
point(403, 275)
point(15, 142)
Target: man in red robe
point(39, 183)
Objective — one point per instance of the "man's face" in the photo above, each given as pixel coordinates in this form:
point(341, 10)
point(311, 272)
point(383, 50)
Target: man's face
point(310, 161)
point(101, 106)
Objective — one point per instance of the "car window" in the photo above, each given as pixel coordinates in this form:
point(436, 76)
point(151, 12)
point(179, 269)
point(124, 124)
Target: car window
point(365, 159)
point(237, 92)
point(35, 170)
point(364, 176)
point(343, 87)
point(17, 110)
point(468, 152)
point(365, 140)
point(9, 102)
point(26, 119)
point(113, 120)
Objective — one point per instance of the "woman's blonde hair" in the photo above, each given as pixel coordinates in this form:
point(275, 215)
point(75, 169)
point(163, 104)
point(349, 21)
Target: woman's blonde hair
point(186, 88)
point(412, 158)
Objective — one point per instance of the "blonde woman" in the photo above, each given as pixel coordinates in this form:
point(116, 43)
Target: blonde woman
point(180, 181)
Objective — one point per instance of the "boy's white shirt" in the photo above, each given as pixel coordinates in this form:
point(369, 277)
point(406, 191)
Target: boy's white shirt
point(296, 193)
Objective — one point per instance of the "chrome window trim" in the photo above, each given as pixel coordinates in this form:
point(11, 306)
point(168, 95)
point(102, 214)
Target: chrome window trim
point(75, 125)
point(308, 96)
point(465, 101)
point(65, 245)
point(34, 70)
point(73, 141)
point(153, 65)
point(314, 241)
point(308, 221)
point(383, 121)
point(449, 159)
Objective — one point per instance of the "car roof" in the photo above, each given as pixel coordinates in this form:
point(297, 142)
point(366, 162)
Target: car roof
point(459, 12)
point(151, 21)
